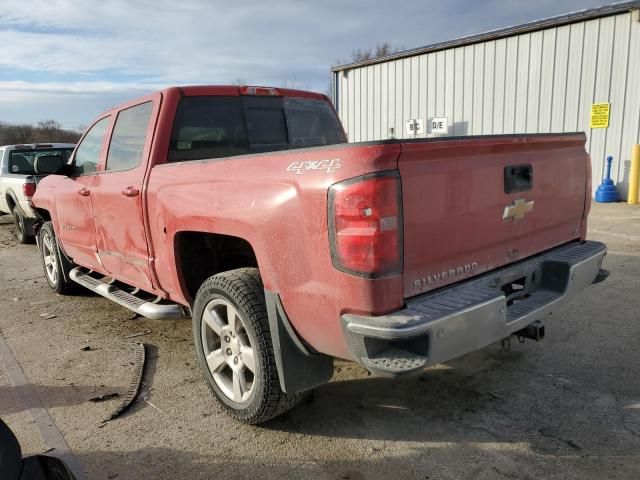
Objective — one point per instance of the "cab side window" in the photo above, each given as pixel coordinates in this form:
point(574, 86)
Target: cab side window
point(88, 152)
point(128, 138)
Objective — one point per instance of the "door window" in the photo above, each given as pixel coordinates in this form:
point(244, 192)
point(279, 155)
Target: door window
point(88, 152)
point(128, 138)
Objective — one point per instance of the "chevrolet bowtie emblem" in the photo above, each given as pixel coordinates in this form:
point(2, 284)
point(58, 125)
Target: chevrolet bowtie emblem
point(518, 210)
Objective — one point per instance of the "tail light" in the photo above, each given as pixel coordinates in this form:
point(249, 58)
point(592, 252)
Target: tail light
point(365, 225)
point(29, 188)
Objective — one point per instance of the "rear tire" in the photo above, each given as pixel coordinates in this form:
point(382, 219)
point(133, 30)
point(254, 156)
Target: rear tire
point(56, 266)
point(234, 348)
point(20, 227)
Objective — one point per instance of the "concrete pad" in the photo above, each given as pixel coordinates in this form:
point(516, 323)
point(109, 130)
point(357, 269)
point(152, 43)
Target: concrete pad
point(564, 408)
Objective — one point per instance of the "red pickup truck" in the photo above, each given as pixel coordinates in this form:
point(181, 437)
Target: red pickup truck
point(245, 208)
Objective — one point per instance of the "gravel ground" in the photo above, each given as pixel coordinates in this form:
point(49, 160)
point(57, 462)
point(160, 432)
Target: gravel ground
point(564, 408)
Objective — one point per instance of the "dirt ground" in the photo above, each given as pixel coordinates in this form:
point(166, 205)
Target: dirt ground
point(564, 408)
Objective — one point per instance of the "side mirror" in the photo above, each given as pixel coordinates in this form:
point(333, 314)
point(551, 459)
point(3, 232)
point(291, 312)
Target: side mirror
point(48, 164)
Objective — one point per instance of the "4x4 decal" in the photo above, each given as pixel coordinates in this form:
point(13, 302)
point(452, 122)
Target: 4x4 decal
point(329, 166)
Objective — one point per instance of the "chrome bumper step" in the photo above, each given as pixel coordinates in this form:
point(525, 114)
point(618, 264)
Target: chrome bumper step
point(438, 326)
point(154, 310)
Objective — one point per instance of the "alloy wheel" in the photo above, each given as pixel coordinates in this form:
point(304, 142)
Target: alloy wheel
point(228, 351)
point(50, 260)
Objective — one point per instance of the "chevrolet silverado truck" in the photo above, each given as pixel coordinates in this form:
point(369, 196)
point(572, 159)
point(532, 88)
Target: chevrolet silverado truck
point(246, 209)
point(18, 181)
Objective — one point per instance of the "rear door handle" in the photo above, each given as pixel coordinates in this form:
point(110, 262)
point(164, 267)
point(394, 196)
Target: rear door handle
point(130, 192)
point(84, 191)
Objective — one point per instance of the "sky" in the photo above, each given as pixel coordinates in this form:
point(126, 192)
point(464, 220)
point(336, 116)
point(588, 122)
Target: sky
point(69, 60)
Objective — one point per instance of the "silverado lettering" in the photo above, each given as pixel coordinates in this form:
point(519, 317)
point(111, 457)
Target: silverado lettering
point(422, 283)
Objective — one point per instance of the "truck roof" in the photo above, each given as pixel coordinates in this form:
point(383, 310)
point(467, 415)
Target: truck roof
point(224, 90)
point(193, 90)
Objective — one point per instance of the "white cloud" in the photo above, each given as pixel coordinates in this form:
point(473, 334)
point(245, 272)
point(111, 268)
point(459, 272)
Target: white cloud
point(59, 53)
point(117, 45)
point(70, 103)
point(19, 86)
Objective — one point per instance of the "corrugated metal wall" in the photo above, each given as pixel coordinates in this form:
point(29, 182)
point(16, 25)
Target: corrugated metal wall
point(543, 81)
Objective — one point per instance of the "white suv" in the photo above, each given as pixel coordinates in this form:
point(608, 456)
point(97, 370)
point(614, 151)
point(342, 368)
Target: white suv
point(18, 180)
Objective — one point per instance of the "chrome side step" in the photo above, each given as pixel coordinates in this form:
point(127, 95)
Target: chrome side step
point(152, 310)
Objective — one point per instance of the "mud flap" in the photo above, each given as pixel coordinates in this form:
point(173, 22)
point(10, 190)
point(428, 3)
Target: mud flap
point(27, 222)
point(299, 369)
point(29, 226)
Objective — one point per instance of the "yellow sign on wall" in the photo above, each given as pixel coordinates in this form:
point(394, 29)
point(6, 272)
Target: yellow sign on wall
point(600, 115)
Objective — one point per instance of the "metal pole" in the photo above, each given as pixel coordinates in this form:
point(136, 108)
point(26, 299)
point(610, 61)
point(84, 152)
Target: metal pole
point(634, 175)
point(609, 162)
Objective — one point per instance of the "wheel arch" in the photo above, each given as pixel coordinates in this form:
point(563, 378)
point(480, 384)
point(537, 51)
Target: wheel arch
point(300, 368)
point(199, 255)
point(11, 199)
point(43, 214)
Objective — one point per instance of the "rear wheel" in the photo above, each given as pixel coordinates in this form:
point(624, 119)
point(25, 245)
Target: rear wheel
point(20, 227)
point(233, 344)
point(56, 269)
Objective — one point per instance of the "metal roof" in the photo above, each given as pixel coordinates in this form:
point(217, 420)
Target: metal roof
point(574, 17)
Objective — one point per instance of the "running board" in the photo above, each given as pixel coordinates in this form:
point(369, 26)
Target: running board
point(151, 310)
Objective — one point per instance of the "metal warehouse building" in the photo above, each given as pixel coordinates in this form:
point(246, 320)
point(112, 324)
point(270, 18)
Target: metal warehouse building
point(562, 74)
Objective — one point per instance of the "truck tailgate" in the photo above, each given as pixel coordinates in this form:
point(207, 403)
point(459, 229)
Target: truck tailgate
point(469, 208)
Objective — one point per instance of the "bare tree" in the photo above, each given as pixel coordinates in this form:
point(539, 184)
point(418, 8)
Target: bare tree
point(293, 83)
point(49, 125)
point(361, 54)
point(46, 131)
point(381, 50)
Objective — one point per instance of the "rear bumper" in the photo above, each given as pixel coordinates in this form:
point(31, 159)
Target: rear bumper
point(470, 315)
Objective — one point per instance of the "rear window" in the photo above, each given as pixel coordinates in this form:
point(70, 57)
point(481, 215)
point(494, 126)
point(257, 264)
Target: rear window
point(208, 127)
point(216, 126)
point(266, 124)
point(21, 161)
point(312, 123)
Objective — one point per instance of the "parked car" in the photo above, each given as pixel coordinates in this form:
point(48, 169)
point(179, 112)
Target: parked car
point(18, 181)
point(245, 208)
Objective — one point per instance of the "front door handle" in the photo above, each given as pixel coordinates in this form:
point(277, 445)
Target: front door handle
point(84, 191)
point(130, 192)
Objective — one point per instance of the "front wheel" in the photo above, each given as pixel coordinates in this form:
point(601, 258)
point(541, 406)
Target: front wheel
point(233, 344)
point(56, 269)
